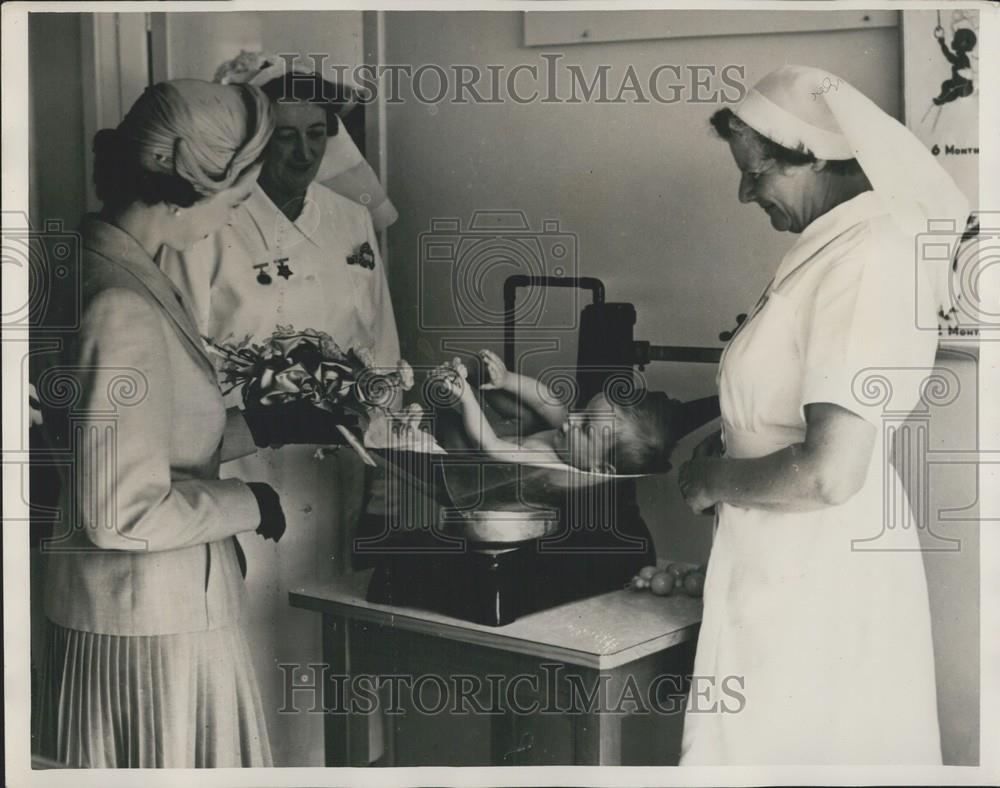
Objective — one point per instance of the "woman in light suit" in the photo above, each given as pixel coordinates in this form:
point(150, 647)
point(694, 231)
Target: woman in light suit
point(146, 664)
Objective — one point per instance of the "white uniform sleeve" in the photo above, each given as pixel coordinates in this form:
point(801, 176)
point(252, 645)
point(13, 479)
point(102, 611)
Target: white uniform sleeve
point(862, 348)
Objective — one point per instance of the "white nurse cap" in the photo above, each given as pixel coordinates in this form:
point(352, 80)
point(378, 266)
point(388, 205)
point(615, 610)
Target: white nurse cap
point(804, 107)
point(788, 107)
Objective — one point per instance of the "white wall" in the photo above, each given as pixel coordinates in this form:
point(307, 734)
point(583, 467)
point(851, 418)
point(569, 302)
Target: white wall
point(199, 42)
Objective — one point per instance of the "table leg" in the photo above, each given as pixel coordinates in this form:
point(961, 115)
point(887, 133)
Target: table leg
point(503, 728)
point(345, 733)
point(597, 739)
point(597, 734)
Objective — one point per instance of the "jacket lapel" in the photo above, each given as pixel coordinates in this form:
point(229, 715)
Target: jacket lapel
point(124, 252)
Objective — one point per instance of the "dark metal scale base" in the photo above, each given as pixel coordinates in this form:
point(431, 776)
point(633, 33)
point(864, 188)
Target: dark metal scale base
point(495, 585)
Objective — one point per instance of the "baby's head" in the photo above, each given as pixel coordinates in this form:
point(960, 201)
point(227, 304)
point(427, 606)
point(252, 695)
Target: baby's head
point(611, 438)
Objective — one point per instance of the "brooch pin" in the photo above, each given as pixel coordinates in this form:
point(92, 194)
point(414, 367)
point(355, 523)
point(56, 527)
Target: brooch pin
point(283, 269)
point(365, 257)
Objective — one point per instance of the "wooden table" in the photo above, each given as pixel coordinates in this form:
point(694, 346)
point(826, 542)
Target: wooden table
point(609, 641)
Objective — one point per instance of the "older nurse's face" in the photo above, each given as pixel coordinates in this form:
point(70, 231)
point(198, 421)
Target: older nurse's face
point(789, 194)
point(296, 148)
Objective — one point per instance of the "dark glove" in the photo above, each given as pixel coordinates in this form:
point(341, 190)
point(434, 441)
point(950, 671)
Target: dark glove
point(272, 517)
point(294, 422)
point(259, 426)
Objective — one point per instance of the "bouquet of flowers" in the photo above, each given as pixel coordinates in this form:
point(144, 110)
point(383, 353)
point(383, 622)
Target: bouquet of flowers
point(306, 372)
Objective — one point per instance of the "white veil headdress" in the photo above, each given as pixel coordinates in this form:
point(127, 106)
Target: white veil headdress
point(801, 107)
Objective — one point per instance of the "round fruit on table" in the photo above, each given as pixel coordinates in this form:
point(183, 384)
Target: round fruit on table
point(694, 583)
point(677, 570)
point(662, 584)
point(647, 572)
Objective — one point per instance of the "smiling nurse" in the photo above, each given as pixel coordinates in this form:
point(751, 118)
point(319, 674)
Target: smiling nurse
point(829, 642)
point(294, 155)
point(295, 253)
point(793, 188)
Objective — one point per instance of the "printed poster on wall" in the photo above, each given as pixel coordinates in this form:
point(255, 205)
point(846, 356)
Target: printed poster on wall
point(941, 75)
point(941, 83)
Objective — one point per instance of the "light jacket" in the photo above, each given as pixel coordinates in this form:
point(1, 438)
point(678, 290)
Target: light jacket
point(131, 402)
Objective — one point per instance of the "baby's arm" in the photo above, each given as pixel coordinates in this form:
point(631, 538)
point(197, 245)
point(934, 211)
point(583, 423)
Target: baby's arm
point(525, 390)
point(452, 378)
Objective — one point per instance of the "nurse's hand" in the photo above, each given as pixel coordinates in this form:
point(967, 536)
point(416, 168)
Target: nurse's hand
point(693, 480)
point(710, 447)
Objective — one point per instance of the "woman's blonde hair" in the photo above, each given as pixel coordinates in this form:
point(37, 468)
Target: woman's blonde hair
point(182, 141)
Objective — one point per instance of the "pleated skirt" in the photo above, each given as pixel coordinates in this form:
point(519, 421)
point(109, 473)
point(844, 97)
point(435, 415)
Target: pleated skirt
point(167, 701)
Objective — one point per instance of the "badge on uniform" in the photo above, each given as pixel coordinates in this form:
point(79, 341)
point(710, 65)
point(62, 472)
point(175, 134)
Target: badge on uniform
point(283, 269)
point(264, 278)
point(365, 256)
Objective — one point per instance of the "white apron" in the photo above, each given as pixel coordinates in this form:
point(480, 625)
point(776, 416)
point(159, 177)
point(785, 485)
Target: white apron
point(815, 647)
point(260, 271)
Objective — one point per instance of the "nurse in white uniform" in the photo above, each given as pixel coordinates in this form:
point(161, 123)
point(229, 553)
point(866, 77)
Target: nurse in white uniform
point(816, 644)
point(295, 254)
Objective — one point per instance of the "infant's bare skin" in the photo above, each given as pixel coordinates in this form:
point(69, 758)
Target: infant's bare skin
point(590, 439)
